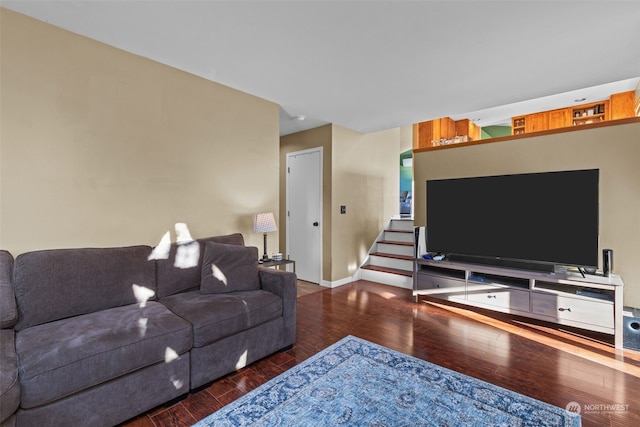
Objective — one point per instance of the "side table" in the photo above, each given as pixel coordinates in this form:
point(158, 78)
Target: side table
point(278, 264)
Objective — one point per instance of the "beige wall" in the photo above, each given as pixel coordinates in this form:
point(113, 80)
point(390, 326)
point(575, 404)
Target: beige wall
point(406, 138)
point(360, 171)
point(615, 150)
point(104, 148)
point(366, 179)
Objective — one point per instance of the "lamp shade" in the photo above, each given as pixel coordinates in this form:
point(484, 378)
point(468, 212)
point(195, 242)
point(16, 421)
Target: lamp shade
point(264, 223)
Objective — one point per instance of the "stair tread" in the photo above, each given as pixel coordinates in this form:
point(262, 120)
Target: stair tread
point(395, 242)
point(389, 270)
point(399, 231)
point(386, 255)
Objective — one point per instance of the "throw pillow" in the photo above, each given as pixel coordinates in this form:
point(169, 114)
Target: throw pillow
point(229, 268)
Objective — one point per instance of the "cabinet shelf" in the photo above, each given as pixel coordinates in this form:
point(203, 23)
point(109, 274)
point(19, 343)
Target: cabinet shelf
point(576, 291)
point(449, 273)
point(483, 278)
point(590, 113)
point(585, 120)
point(587, 117)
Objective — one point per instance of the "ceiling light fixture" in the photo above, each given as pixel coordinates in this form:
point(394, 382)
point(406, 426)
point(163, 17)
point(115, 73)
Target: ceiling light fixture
point(299, 118)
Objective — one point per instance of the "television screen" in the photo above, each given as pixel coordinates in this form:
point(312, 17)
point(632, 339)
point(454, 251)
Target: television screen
point(548, 218)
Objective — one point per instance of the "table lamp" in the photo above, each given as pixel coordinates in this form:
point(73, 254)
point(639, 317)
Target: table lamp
point(264, 223)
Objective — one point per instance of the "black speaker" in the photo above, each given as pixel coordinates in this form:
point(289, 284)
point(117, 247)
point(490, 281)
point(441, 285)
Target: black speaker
point(631, 334)
point(607, 262)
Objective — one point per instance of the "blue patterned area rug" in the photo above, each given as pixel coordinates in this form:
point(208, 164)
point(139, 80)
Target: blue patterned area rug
point(357, 383)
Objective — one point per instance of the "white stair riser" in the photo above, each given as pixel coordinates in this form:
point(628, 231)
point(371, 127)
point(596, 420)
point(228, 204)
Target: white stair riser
point(397, 230)
point(398, 224)
point(387, 248)
point(388, 279)
point(401, 264)
point(398, 237)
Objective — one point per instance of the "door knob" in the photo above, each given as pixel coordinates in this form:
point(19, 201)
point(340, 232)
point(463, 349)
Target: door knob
point(315, 224)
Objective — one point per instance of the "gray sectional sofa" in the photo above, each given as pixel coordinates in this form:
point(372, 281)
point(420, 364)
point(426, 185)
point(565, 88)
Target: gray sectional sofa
point(9, 385)
point(104, 334)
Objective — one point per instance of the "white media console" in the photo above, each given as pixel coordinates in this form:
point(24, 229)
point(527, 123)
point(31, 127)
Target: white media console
point(566, 298)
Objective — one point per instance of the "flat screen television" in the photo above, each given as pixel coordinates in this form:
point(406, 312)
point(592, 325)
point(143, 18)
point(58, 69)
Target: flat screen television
point(532, 221)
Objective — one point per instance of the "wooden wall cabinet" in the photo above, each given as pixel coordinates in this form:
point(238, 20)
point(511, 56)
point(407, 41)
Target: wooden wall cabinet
point(529, 123)
point(467, 127)
point(594, 112)
point(619, 106)
point(622, 105)
point(422, 135)
point(518, 125)
point(429, 133)
point(560, 118)
point(447, 128)
point(536, 122)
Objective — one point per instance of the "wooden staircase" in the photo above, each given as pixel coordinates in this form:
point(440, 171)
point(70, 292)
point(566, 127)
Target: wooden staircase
point(390, 259)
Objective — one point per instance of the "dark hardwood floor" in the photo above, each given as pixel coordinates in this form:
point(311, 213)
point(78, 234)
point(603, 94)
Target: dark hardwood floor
point(305, 288)
point(554, 366)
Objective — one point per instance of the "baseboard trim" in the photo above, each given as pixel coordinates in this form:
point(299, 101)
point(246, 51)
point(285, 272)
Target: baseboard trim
point(336, 283)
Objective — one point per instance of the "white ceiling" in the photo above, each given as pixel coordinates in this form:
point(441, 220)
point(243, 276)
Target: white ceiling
point(374, 65)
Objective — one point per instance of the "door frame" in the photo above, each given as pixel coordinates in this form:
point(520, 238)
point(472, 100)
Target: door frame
point(320, 204)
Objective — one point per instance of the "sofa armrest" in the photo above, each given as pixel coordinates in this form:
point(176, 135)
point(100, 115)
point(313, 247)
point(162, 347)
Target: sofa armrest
point(9, 384)
point(283, 284)
point(8, 308)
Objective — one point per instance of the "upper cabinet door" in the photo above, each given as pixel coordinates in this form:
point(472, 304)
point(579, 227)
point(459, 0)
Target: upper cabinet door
point(560, 118)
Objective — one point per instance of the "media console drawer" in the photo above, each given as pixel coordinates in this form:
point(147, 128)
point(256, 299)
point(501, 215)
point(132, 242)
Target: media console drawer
point(560, 307)
point(506, 298)
point(440, 286)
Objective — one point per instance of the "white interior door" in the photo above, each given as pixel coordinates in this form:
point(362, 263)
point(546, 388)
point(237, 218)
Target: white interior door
point(304, 213)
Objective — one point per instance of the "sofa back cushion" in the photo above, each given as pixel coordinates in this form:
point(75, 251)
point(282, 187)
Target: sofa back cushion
point(174, 275)
point(61, 283)
point(229, 268)
point(8, 312)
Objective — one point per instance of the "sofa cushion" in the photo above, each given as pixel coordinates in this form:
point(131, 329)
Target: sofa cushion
point(216, 316)
point(174, 276)
point(56, 284)
point(8, 311)
point(229, 268)
point(9, 385)
point(63, 357)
